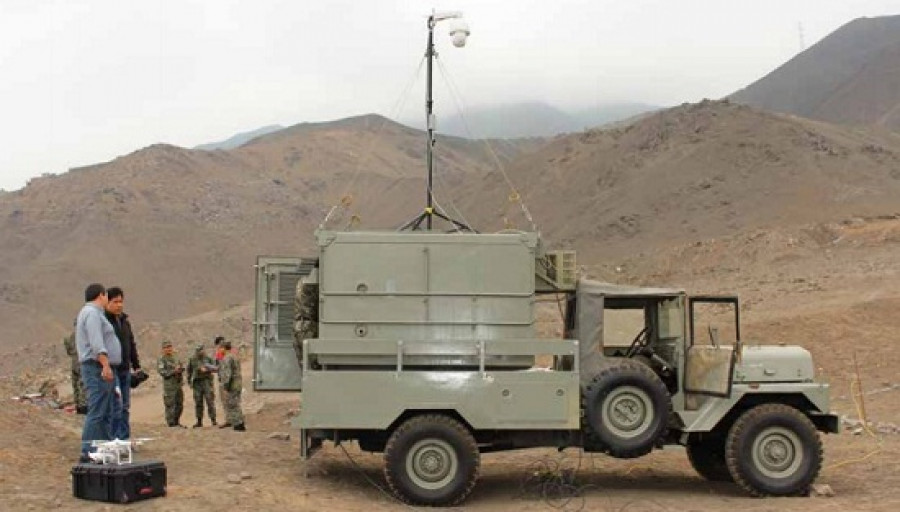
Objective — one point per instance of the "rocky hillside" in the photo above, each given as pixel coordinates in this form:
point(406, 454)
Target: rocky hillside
point(695, 172)
point(180, 229)
point(850, 77)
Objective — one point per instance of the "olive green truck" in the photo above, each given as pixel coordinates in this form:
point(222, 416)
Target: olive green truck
point(428, 351)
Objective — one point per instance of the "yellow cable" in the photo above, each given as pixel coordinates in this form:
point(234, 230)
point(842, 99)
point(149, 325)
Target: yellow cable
point(855, 389)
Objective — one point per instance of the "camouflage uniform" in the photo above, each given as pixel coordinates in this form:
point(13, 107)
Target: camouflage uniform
point(173, 394)
point(230, 377)
point(202, 384)
point(306, 308)
point(77, 386)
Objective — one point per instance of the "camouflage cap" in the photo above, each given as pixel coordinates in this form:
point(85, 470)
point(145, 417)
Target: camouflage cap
point(199, 347)
point(166, 343)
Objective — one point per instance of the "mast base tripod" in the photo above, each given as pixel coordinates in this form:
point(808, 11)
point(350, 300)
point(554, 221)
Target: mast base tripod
point(429, 212)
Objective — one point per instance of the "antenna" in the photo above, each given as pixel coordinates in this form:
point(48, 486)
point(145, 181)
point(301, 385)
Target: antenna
point(459, 33)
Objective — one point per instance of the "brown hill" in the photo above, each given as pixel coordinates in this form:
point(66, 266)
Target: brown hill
point(180, 229)
point(850, 77)
point(696, 172)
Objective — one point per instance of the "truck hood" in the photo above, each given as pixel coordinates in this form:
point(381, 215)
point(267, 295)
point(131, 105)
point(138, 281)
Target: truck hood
point(768, 363)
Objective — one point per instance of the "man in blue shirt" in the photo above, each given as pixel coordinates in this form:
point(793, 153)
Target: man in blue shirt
point(98, 351)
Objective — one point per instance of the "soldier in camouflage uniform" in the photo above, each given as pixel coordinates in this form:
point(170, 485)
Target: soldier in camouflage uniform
point(306, 308)
point(200, 369)
point(230, 378)
point(172, 372)
point(77, 386)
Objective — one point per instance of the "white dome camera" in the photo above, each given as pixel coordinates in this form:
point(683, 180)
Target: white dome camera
point(459, 33)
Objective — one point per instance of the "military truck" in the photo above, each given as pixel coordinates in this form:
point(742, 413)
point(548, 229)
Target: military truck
point(428, 352)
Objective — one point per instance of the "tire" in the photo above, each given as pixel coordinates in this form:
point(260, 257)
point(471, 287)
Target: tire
point(774, 450)
point(626, 409)
point(707, 456)
point(431, 460)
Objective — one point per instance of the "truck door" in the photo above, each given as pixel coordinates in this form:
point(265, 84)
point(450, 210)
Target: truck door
point(714, 337)
point(275, 366)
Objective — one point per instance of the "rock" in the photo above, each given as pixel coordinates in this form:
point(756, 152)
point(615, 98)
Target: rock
point(822, 491)
point(234, 479)
point(245, 475)
point(291, 413)
point(849, 422)
point(857, 431)
point(281, 436)
point(57, 503)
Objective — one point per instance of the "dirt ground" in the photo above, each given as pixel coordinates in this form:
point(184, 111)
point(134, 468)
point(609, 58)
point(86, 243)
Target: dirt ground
point(836, 295)
point(38, 447)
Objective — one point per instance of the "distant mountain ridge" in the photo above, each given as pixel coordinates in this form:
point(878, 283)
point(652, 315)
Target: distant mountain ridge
point(240, 139)
point(530, 119)
point(852, 76)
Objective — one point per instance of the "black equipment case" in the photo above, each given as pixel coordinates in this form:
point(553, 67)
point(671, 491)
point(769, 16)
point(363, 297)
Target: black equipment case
point(119, 483)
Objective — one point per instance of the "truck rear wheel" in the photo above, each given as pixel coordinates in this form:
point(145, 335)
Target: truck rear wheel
point(627, 409)
point(431, 460)
point(707, 457)
point(774, 450)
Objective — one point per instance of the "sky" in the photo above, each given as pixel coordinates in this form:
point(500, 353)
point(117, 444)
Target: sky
point(85, 81)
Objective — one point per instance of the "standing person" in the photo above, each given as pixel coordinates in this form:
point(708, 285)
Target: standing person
point(115, 313)
point(200, 369)
point(172, 372)
point(306, 310)
point(220, 355)
point(232, 384)
point(98, 351)
point(77, 385)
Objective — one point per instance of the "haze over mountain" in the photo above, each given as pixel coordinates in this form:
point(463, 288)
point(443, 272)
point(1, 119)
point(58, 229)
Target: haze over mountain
point(531, 119)
point(852, 76)
point(240, 139)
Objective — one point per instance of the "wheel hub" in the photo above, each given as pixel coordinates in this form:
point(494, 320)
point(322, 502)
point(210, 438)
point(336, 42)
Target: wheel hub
point(627, 411)
point(777, 452)
point(431, 463)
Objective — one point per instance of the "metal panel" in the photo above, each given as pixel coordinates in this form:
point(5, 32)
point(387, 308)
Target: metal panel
point(714, 409)
point(426, 286)
point(515, 400)
point(275, 366)
point(488, 399)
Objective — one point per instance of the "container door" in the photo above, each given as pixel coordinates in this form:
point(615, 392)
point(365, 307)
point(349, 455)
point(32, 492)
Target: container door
point(276, 366)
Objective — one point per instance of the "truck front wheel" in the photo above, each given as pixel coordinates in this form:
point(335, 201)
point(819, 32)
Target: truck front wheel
point(774, 450)
point(431, 460)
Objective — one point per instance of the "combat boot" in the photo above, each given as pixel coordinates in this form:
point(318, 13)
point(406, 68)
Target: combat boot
point(214, 422)
point(225, 425)
point(240, 427)
point(198, 424)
